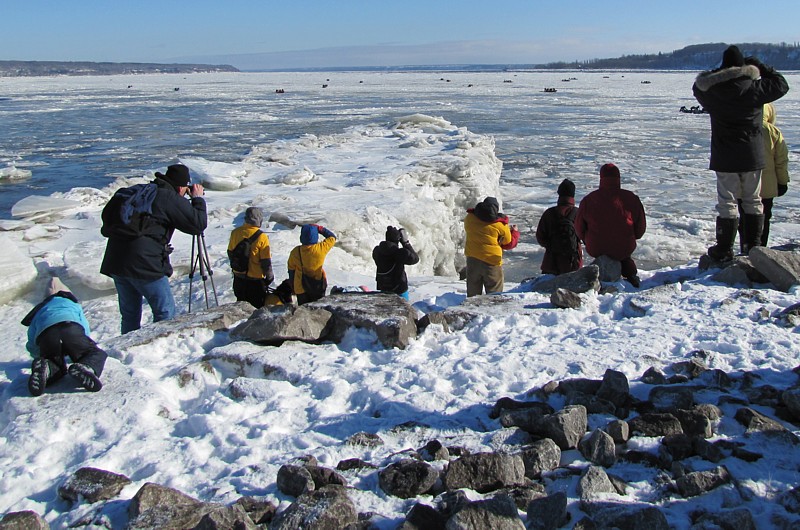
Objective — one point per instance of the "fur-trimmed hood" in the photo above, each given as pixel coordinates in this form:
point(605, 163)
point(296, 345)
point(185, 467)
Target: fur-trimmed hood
point(706, 80)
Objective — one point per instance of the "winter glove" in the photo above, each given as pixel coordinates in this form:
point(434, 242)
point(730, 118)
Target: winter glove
point(782, 189)
point(762, 68)
point(168, 249)
point(403, 236)
point(325, 232)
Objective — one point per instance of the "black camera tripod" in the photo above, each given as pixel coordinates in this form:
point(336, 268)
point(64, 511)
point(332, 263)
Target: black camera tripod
point(200, 261)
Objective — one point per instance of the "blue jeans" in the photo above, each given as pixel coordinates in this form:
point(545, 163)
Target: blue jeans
point(130, 292)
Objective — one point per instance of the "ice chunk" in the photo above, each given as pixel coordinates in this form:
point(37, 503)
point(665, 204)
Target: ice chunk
point(19, 272)
point(36, 206)
point(82, 262)
point(14, 173)
point(219, 176)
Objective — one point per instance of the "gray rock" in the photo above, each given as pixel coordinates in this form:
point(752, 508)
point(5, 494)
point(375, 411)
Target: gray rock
point(323, 509)
point(497, 513)
point(354, 463)
point(579, 385)
point(407, 478)
point(791, 398)
point(619, 430)
point(692, 368)
point(679, 446)
point(152, 495)
point(565, 299)
point(654, 376)
point(780, 267)
point(542, 455)
point(583, 280)
point(614, 388)
point(740, 519)
point(548, 513)
point(294, 480)
point(594, 482)
point(324, 476)
point(277, 324)
point(698, 482)
point(755, 422)
point(599, 448)
point(217, 318)
point(433, 318)
point(707, 450)
point(610, 269)
point(484, 472)
point(791, 500)
point(390, 317)
point(260, 511)
point(733, 274)
point(423, 517)
point(226, 517)
point(434, 450)
point(93, 485)
point(665, 398)
point(24, 520)
point(655, 424)
point(525, 418)
point(506, 404)
point(565, 427)
point(523, 495)
point(172, 517)
point(626, 516)
point(694, 422)
point(365, 439)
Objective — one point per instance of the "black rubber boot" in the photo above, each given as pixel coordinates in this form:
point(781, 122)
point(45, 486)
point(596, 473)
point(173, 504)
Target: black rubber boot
point(726, 235)
point(753, 226)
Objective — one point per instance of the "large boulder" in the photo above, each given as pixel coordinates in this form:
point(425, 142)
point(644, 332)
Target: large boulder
point(582, 280)
point(276, 324)
point(484, 472)
point(390, 317)
point(93, 485)
point(329, 507)
point(782, 268)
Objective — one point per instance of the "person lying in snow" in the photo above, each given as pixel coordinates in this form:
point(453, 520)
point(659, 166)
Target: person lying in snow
point(58, 328)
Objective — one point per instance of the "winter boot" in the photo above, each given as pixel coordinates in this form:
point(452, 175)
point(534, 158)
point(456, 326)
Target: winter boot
point(726, 235)
point(753, 227)
point(40, 373)
point(85, 376)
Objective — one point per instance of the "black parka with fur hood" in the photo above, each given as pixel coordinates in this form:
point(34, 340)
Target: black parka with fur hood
point(734, 97)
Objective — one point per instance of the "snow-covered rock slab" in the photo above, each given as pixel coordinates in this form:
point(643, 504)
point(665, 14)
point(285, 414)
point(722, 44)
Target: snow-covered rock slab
point(19, 272)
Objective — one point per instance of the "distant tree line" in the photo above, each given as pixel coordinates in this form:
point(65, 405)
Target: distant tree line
point(49, 68)
point(782, 56)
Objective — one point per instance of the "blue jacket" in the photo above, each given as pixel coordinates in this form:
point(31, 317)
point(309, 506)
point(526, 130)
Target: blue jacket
point(60, 307)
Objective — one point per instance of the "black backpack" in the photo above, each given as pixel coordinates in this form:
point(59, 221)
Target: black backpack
point(564, 241)
point(129, 214)
point(239, 257)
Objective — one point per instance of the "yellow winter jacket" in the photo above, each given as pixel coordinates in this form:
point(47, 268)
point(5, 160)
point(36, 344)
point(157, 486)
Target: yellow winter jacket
point(484, 239)
point(312, 257)
point(259, 251)
point(777, 155)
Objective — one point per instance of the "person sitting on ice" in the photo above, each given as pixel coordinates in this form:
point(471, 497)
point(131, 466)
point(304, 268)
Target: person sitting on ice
point(610, 220)
point(309, 281)
point(57, 328)
point(563, 251)
point(391, 256)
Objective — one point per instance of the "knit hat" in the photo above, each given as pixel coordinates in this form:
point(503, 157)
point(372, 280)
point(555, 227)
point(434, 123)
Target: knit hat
point(609, 171)
point(566, 188)
point(253, 216)
point(309, 234)
point(55, 286)
point(732, 57)
point(177, 175)
point(392, 234)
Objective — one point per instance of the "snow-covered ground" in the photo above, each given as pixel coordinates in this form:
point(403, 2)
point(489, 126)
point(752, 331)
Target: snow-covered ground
point(422, 172)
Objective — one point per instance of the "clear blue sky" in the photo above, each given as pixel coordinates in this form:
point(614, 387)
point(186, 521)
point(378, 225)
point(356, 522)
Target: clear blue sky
point(379, 32)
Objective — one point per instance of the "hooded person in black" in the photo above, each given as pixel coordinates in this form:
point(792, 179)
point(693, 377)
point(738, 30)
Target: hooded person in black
point(390, 259)
point(734, 95)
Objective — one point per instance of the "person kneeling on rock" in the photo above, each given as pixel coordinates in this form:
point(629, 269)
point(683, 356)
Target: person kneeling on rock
point(57, 328)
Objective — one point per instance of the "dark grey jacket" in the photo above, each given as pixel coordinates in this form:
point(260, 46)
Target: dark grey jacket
point(735, 97)
point(147, 257)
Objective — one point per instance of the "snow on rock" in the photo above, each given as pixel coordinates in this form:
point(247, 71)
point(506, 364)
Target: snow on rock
point(18, 269)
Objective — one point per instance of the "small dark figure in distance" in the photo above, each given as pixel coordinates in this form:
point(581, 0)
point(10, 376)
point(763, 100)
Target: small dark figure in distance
point(563, 251)
point(391, 256)
point(57, 328)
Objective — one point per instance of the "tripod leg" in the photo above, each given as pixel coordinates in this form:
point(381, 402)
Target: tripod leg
point(208, 266)
point(191, 276)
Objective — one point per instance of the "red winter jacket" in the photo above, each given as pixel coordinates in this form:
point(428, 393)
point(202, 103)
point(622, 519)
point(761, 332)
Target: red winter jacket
point(610, 220)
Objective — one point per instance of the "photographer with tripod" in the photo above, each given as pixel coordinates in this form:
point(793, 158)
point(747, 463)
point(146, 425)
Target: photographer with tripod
point(139, 223)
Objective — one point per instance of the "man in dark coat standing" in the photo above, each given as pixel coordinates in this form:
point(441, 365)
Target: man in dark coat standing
point(734, 95)
point(390, 259)
point(140, 265)
point(563, 252)
point(610, 220)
